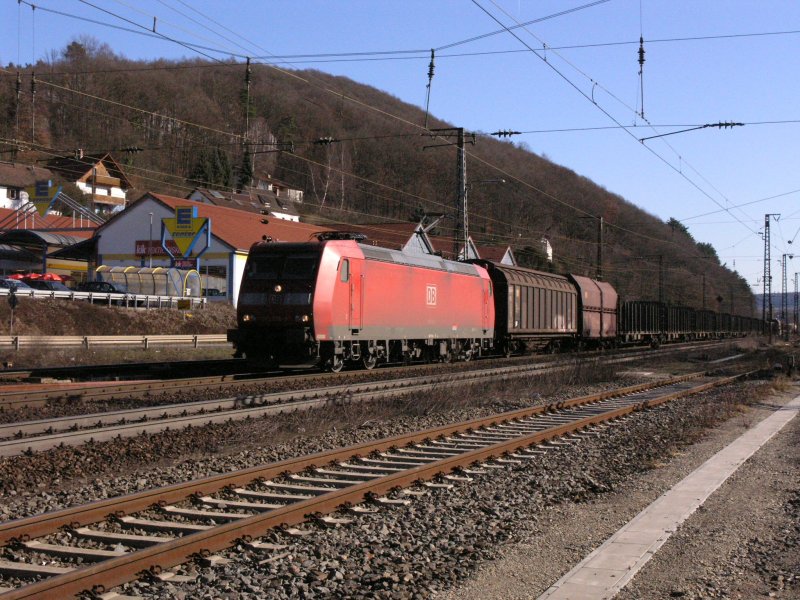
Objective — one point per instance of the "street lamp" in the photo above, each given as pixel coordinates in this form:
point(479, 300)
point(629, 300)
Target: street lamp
point(150, 244)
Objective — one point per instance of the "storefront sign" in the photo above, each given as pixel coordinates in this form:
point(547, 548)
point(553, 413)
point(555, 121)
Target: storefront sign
point(186, 229)
point(42, 195)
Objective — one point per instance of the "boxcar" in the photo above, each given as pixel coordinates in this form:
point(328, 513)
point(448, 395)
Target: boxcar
point(597, 311)
point(335, 302)
point(533, 310)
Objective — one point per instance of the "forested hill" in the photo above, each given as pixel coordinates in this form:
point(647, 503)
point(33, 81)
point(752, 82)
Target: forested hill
point(355, 151)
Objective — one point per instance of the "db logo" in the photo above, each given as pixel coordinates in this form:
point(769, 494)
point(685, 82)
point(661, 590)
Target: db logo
point(430, 298)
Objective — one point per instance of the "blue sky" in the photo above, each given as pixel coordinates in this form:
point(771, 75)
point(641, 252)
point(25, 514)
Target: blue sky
point(497, 82)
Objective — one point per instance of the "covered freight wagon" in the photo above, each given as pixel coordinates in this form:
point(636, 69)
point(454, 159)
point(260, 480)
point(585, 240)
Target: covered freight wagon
point(533, 309)
point(597, 310)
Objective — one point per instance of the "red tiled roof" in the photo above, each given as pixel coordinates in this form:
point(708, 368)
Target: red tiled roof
point(10, 220)
point(492, 253)
point(240, 229)
point(18, 175)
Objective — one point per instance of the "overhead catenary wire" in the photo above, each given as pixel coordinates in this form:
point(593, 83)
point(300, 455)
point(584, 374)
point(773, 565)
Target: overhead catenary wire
point(536, 53)
point(364, 104)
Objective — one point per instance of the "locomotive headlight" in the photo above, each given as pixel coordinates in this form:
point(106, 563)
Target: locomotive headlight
point(302, 318)
point(278, 288)
point(248, 318)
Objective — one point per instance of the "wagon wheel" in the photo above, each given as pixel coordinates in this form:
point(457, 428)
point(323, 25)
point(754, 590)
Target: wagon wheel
point(336, 363)
point(370, 360)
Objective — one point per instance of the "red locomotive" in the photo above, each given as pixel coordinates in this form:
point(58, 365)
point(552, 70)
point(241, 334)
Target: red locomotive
point(335, 301)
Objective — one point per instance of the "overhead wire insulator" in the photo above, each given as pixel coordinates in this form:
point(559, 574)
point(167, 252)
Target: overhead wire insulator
point(431, 68)
point(505, 133)
point(641, 72)
point(325, 141)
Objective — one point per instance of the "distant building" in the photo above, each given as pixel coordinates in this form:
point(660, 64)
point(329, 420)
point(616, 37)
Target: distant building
point(267, 196)
point(14, 178)
point(100, 177)
point(132, 238)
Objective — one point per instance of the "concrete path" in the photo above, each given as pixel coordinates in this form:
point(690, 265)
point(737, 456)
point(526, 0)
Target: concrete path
point(611, 566)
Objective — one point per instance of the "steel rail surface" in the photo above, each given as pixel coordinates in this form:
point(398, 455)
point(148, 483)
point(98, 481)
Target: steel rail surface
point(114, 571)
point(18, 399)
point(179, 416)
point(48, 522)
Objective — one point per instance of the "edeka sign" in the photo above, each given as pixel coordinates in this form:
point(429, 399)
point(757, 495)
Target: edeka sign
point(185, 230)
point(42, 195)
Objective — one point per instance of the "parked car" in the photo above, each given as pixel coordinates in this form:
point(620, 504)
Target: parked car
point(49, 285)
point(105, 287)
point(16, 283)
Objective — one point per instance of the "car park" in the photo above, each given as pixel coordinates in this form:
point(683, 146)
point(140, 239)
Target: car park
point(105, 287)
point(7, 284)
point(48, 285)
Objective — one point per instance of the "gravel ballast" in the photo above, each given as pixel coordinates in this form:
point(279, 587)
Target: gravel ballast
point(432, 546)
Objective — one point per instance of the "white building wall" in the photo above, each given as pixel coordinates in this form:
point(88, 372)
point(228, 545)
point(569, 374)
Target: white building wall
point(117, 244)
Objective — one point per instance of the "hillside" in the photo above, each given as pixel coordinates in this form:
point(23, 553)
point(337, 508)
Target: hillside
point(182, 124)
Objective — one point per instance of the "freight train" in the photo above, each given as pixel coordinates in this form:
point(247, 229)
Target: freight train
point(336, 302)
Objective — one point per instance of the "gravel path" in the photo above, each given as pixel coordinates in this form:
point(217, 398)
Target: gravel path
point(743, 543)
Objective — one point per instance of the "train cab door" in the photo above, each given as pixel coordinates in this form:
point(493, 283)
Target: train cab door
point(487, 298)
point(356, 291)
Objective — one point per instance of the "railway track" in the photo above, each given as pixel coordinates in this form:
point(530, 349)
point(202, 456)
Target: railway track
point(40, 435)
point(14, 397)
point(115, 540)
point(140, 370)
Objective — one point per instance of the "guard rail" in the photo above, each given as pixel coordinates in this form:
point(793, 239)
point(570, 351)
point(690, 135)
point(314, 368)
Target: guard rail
point(21, 342)
point(128, 300)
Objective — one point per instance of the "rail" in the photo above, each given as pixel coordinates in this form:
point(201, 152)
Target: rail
point(23, 342)
point(127, 300)
point(395, 462)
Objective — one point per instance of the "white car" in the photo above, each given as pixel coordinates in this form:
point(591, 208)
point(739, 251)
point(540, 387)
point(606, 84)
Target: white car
point(6, 283)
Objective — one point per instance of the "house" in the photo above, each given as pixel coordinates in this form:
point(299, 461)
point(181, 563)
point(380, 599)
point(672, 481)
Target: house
point(132, 238)
point(99, 176)
point(14, 178)
point(267, 196)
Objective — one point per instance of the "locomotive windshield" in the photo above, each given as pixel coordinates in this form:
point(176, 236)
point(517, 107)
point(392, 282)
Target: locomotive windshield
point(276, 266)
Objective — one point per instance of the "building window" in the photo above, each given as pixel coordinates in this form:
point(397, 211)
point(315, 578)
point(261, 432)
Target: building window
point(11, 193)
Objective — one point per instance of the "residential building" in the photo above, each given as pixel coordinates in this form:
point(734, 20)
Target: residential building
point(99, 176)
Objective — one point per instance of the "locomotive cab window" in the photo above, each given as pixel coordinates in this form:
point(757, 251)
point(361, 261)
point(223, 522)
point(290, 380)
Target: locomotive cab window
point(299, 266)
point(345, 271)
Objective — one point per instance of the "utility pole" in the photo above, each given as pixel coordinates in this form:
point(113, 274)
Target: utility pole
point(461, 233)
point(784, 313)
point(600, 249)
point(766, 315)
point(599, 271)
point(463, 214)
point(796, 308)
point(704, 291)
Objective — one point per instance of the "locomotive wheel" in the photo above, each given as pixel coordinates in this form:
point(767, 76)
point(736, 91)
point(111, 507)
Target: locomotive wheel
point(337, 363)
point(370, 360)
